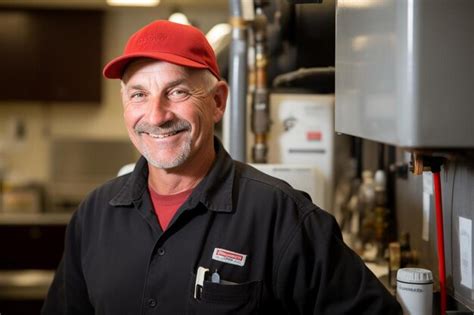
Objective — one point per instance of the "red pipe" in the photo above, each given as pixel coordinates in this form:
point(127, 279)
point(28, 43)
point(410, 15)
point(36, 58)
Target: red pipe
point(440, 235)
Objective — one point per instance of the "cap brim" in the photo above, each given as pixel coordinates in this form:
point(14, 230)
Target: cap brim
point(115, 68)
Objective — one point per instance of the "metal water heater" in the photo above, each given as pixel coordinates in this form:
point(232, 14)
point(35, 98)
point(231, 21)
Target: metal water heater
point(405, 72)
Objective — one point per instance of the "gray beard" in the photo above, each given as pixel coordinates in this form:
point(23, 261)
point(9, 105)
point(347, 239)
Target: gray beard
point(178, 160)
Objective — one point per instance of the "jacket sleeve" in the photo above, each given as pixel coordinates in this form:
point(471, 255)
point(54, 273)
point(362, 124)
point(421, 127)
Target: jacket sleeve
point(319, 274)
point(68, 292)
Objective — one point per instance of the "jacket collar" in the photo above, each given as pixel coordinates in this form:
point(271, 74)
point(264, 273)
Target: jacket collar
point(214, 191)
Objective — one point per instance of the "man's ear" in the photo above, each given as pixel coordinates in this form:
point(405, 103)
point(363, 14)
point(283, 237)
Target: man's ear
point(221, 91)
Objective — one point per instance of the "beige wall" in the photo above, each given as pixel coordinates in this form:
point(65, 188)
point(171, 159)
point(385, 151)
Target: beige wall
point(30, 158)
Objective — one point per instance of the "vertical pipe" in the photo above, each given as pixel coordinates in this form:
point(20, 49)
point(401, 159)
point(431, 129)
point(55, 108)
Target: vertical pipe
point(260, 106)
point(358, 150)
point(440, 240)
point(391, 194)
point(421, 163)
point(238, 83)
point(380, 156)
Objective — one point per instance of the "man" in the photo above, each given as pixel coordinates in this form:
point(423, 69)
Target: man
point(191, 231)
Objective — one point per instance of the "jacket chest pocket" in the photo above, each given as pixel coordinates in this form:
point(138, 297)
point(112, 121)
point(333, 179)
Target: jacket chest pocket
point(216, 298)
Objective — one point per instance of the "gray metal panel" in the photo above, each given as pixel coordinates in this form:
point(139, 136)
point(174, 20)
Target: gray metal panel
point(457, 180)
point(458, 202)
point(404, 70)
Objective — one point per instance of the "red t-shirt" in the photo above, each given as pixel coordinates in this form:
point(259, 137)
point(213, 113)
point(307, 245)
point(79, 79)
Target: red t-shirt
point(167, 205)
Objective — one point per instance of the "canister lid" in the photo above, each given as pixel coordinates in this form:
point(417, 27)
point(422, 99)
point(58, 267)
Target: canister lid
point(414, 275)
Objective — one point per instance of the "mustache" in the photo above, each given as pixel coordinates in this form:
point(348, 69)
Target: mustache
point(167, 127)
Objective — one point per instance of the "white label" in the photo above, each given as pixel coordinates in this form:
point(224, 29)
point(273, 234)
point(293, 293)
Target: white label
point(415, 298)
point(465, 249)
point(427, 193)
point(229, 257)
point(425, 232)
point(428, 183)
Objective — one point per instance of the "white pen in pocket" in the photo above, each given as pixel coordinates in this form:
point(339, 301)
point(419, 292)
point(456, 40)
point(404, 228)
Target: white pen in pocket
point(200, 276)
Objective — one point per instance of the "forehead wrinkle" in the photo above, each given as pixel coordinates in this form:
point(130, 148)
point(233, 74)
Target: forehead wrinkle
point(158, 86)
point(164, 82)
point(148, 73)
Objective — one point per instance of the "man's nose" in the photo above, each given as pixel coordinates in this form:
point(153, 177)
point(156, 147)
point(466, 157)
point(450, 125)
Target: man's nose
point(159, 112)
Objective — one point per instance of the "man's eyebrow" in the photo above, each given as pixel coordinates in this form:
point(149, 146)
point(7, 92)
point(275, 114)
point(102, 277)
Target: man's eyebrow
point(168, 84)
point(176, 82)
point(135, 87)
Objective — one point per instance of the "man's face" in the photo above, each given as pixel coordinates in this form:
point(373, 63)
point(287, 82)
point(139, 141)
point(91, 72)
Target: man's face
point(170, 111)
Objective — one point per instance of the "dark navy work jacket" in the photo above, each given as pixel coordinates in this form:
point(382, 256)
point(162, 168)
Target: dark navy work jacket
point(275, 252)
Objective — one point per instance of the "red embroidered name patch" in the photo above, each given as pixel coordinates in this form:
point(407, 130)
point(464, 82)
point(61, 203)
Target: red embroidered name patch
point(229, 257)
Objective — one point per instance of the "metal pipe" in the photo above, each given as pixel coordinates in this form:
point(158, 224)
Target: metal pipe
point(359, 154)
point(380, 156)
point(238, 83)
point(421, 163)
point(326, 73)
point(235, 7)
point(260, 106)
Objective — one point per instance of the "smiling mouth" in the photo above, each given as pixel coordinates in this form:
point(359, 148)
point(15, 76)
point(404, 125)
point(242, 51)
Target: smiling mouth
point(163, 135)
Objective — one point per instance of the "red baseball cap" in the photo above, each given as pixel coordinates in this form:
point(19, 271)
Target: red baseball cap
point(180, 44)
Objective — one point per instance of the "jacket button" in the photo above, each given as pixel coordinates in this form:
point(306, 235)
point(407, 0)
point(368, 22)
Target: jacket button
point(161, 251)
point(152, 303)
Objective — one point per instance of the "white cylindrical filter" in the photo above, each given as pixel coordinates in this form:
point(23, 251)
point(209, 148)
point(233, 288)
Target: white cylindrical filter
point(415, 291)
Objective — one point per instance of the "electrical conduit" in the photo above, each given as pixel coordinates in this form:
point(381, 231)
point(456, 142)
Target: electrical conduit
point(440, 239)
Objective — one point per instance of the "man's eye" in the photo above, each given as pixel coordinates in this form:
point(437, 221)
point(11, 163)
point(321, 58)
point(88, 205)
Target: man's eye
point(177, 95)
point(137, 96)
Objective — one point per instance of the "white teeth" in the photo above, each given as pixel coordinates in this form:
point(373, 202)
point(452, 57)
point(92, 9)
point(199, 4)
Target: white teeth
point(163, 135)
